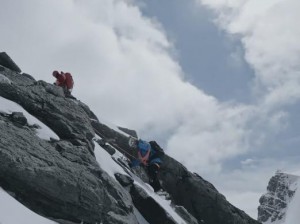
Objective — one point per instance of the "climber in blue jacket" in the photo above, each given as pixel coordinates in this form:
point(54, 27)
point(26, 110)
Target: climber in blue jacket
point(148, 157)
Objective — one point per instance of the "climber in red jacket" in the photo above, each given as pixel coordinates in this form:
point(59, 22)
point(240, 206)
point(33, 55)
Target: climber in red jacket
point(64, 80)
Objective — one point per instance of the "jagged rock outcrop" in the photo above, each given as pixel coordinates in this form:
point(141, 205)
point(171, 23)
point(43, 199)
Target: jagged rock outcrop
point(7, 62)
point(61, 179)
point(199, 197)
point(148, 207)
point(280, 191)
point(129, 132)
point(58, 179)
point(67, 117)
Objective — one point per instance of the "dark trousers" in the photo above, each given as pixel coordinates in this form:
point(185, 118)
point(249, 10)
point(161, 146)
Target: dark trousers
point(68, 93)
point(153, 180)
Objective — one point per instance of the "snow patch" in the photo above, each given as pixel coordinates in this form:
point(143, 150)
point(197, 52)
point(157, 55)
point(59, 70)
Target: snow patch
point(288, 213)
point(44, 132)
point(106, 162)
point(293, 215)
point(166, 204)
point(13, 212)
point(114, 127)
point(4, 79)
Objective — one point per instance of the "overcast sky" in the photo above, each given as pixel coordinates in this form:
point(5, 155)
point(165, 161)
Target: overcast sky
point(216, 82)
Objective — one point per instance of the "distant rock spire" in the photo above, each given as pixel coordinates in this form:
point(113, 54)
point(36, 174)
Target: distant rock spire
point(280, 191)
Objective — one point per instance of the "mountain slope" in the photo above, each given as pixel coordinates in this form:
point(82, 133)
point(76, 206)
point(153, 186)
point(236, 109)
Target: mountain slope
point(60, 177)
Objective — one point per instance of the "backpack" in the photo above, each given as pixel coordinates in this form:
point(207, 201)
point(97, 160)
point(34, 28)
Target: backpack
point(157, 148)
point(69, 80)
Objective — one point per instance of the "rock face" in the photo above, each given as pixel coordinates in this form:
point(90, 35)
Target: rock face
point(7, 62)
point(148, 207)
point(280, 191)
point(197, 196)
point(61, 179)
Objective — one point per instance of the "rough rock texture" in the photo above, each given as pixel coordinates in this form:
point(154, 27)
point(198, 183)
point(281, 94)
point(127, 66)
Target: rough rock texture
point(199, 197)
point(148, 207)
point(47, 103)
point(58, 179)
point(280, 191)
point(118, 140)
point(19, 118)
point(185, 215)
point(108, 148)
point(124, 180)
point(129, 132)
point(7, 62)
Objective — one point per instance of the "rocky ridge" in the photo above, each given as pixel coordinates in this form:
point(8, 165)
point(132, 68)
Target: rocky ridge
point(61, 179)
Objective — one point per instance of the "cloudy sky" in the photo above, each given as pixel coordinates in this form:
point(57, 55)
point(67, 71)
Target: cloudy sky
point(216, 82)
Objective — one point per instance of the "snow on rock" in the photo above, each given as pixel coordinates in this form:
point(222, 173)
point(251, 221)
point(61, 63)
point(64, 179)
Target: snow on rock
point(275, 203)
point(115, 127)
point(293, 215)
point(166, 204)
point(13, 212)
point(44, 132)
point(111, 167)
point(106, 162)
point(4, 79)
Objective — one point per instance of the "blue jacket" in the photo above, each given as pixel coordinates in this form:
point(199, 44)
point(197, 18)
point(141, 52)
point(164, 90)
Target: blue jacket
point(143, 148)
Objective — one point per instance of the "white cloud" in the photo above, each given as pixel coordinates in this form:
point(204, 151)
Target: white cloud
point(247, 162)
point(236, 58)
point(250, 197)
point(223, 4)
point(123, 69)
point(270, 34)
point(218, 133)
point(249, 182)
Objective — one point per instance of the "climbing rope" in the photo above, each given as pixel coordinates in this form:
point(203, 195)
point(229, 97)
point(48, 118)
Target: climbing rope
point(116, 146)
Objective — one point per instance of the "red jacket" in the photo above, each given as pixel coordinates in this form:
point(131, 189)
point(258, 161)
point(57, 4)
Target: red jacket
point(65, 80)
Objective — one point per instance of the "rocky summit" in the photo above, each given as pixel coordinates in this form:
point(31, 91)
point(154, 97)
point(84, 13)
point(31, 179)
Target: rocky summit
point(280, 192)
point(63, 178)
